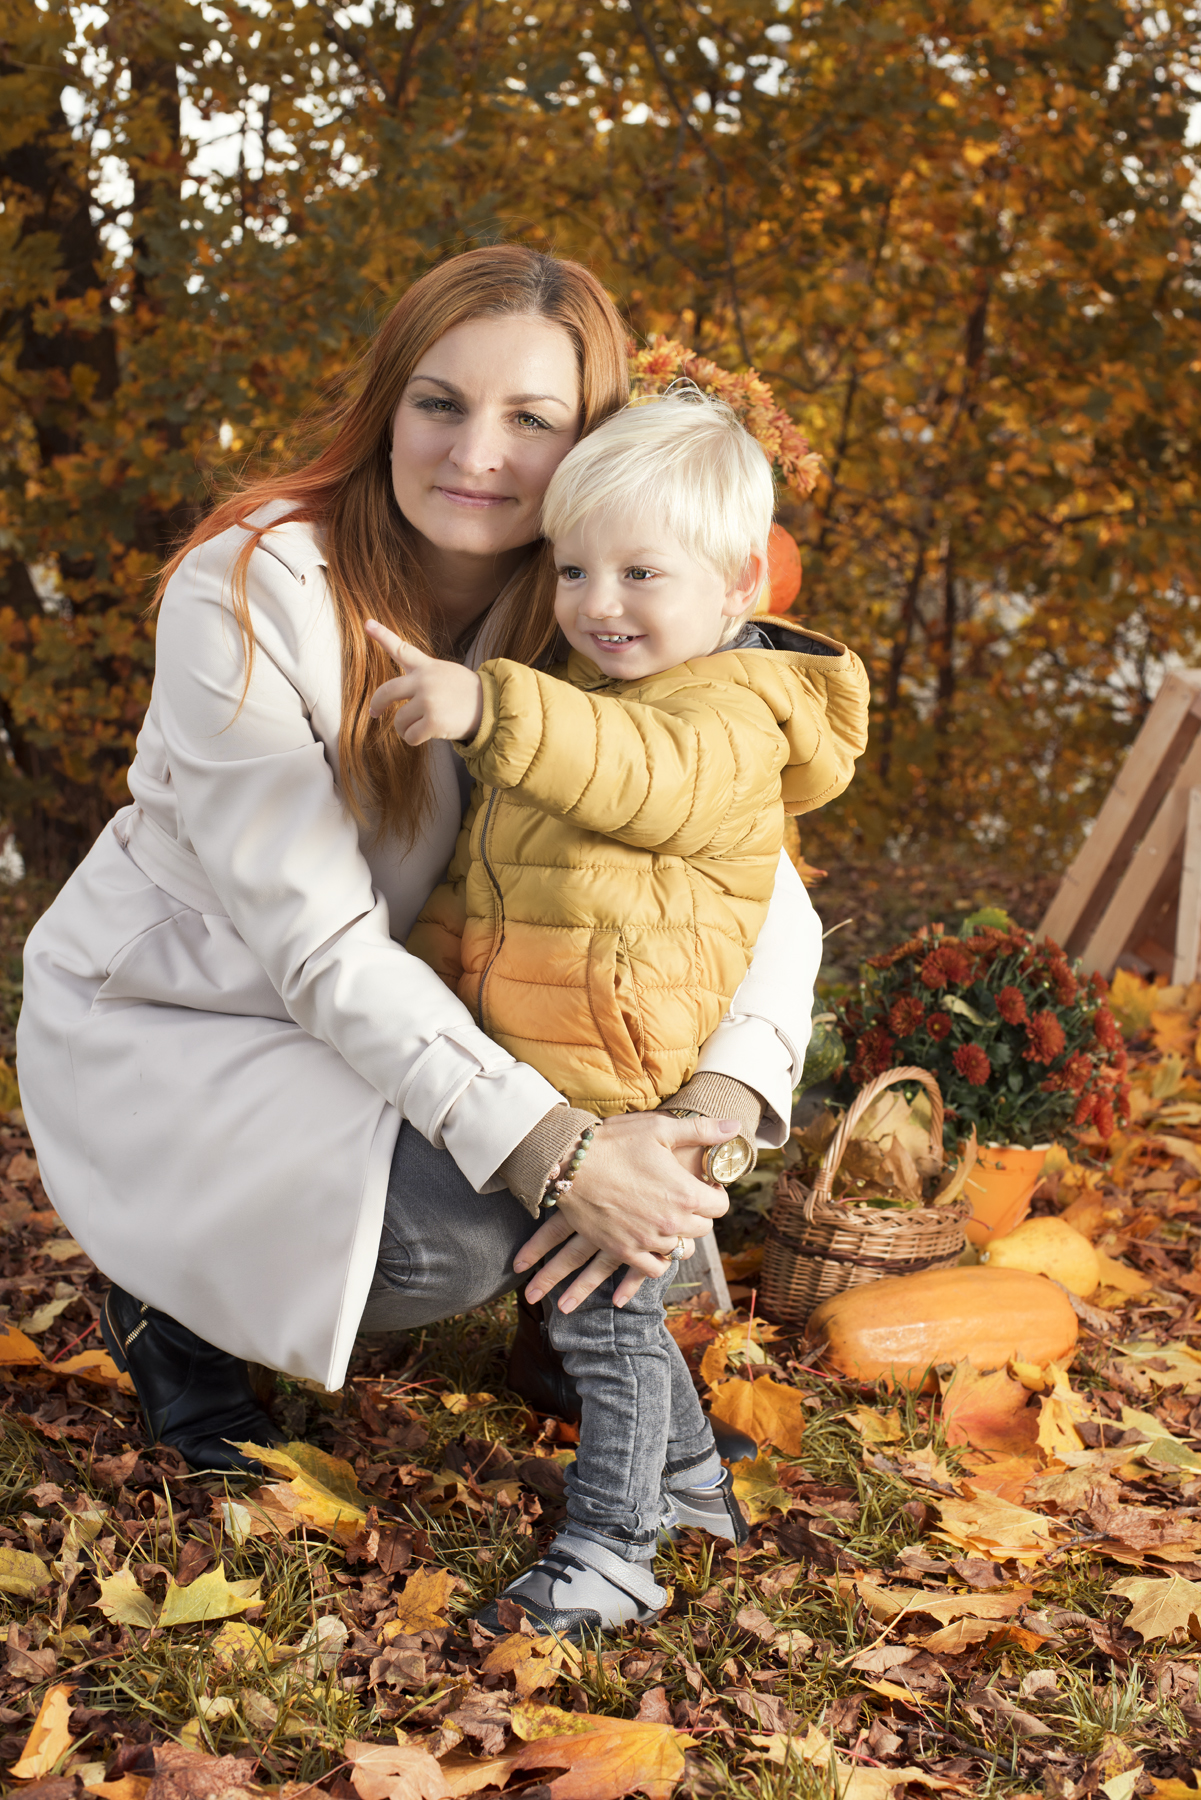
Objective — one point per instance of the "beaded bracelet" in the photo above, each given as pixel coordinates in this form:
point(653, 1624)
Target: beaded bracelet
point(559, 1180)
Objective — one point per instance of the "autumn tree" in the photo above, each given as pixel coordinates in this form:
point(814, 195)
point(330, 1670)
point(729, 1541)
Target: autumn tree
point(957, 239)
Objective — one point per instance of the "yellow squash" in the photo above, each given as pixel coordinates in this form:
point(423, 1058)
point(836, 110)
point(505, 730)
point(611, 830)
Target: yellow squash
point(1048, 1247)
point(899, 1328)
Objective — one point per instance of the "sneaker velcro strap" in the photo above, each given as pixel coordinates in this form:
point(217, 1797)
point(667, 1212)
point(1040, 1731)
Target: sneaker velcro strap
point(631, 1578)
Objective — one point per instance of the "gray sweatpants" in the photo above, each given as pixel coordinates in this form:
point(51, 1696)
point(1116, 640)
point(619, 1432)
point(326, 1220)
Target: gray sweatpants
point(444, 1248)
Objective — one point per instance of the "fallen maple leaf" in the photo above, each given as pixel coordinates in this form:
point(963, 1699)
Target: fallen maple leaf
point(423, 1603)
point(122, 1600)
point(210, 1596)
point(21, 1573)
point(888, 1604)
point(321, 1491)
point(95, 1365)
point(1159, 1607)
point(50, 1738)
point(16, 1348)
point(182, 1773)
point(988, 1526)
point(756, 1487)
point(989, 1412)
point(532, 1720)
point(617, 1757)
point(533, 1662)
point(394, 1772)
point(765, 1409)
point(876, 1427)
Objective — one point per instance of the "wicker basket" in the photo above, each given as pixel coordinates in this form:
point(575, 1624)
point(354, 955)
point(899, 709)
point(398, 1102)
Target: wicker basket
point(817, 1246)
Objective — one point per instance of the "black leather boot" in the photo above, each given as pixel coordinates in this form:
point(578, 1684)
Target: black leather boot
point(196, 1398)
point(538, 1375)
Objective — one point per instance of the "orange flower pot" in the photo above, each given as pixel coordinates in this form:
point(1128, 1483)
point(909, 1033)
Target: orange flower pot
point(1000, 1188)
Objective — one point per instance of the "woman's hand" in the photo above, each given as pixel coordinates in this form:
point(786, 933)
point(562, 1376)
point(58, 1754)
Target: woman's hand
point(440, 699)
point(631, 1202)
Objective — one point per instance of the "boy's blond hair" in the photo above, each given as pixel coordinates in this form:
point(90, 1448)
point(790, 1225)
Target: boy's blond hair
point(685, 459)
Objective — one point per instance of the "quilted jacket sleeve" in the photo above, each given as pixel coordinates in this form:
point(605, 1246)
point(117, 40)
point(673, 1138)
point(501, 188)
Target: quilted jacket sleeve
point(826, 728)
point(679, 777)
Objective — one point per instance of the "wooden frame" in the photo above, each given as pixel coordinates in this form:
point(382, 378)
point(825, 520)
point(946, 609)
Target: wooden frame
point(1133, 894)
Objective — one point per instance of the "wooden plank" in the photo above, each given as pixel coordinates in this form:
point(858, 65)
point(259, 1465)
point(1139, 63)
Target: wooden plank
point(1188, 915)
point(1150, 769)
point(1145, 873)
point(700, 1274)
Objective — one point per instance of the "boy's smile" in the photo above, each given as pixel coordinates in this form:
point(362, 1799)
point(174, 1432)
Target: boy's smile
point(633, 600)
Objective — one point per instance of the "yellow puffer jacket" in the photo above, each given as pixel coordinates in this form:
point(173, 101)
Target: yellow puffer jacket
point(618, 856)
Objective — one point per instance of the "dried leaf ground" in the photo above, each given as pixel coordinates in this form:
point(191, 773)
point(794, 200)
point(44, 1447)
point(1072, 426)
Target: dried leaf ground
point(995, 1590)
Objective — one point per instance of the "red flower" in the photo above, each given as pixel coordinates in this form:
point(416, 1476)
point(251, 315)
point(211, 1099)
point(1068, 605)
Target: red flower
point(1076, 1071)
point(1086, 1106)
point(1103, 1120)
point(1011, 1005)
point(1105, 1029)
point(972, 1064)
point(1065, 983)
point(1098, 985)
point(873, 1054)
point(949, 963)
point(939, 1026)
point(1122, 1107)
point(1046, 1039)
point(905, 1015)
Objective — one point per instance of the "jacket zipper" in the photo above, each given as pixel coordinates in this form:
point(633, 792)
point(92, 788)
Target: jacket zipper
point(500, 903)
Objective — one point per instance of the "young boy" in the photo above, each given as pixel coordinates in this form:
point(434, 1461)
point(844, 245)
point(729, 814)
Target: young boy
point(610, 880)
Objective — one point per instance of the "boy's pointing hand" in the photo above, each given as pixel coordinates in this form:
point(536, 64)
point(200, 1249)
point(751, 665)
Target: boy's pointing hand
point(440, 699)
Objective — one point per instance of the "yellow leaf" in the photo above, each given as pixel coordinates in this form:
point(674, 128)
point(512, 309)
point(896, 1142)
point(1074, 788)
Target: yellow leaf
point(876, 1427)
point(15, 1347)
point(765, 1409)
point(423, 1603)
point(1133, 1000)
point(95, 1365)
point(755, 1485)
point(21, 1573)
point(889, 1604)
point(1173, 1789)
point(322, 1491)
point(461, 1403)
point(394, 1772)
point(50, 1738)
point(129, 1787)
point(1117, 1275)
point(210, 1596)
point(533, 1662)
point(1160, 1607)
point(532, 1719)
point(985, 1525)
point(239, 1642)
point(122, 1600)
point(1122, 1786)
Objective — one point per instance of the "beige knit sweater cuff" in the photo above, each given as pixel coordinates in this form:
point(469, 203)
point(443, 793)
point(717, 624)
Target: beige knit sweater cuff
point(721, 1097)
point(526, 1168)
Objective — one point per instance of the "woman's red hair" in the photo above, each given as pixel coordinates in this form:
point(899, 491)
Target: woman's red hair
point(345, 491)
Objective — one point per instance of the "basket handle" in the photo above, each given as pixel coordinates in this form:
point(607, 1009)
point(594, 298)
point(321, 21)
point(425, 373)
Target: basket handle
point(823, 1187)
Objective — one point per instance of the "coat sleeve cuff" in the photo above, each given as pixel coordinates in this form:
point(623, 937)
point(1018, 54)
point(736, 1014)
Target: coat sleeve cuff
point(721, 1097)
point(526, 1168)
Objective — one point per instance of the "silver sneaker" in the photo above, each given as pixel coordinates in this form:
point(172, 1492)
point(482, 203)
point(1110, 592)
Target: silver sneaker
point(579, 1587)
point(711, 1509)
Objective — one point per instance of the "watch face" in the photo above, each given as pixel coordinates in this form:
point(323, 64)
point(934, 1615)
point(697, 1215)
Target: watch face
point(730, 1160)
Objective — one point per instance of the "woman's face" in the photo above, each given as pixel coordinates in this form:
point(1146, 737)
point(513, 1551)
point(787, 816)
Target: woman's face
point(489, 414)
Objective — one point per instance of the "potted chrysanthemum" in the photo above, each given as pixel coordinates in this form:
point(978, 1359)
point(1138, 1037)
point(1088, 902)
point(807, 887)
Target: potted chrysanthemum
point(1022, 1044)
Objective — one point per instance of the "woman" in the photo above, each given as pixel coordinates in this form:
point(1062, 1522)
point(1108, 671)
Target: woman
point(264, 1120)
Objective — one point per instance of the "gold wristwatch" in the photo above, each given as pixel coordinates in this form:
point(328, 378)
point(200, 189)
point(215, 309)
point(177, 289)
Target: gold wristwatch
point(726, 1162)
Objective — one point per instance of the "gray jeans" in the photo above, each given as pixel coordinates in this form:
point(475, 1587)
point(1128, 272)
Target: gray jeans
point(444, 1248)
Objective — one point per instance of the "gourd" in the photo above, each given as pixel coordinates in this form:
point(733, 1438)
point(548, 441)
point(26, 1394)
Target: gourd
point(899, 1328)
point(1048, 1247)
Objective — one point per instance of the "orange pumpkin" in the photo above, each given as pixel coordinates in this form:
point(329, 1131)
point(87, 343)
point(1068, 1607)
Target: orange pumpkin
point(783, 570)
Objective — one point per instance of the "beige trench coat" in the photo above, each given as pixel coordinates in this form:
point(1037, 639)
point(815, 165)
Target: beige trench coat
point(222, 1031)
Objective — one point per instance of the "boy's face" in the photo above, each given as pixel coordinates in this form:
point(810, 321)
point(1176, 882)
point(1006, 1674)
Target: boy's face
point(635, 603)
